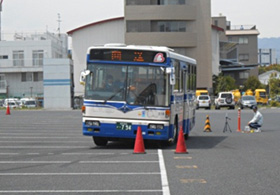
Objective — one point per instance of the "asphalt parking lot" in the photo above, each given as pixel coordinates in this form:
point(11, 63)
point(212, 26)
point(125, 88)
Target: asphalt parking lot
point(44, 152)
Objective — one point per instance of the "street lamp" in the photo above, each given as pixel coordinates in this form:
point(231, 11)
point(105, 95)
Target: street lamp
point(31, 91)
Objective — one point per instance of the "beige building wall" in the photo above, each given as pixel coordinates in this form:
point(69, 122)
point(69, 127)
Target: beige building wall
point(194, 41)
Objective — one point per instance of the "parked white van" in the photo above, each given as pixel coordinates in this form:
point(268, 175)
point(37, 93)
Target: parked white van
point(28, 103)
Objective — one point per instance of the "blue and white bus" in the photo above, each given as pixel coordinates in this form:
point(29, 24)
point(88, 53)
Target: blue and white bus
point(127, 86)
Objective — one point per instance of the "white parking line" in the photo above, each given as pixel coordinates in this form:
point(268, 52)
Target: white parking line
point(77, 191)
point(67, 174)
point(108, 162)
point(9, 154)
point(67, 162)
point(42, 147)
point(42, 141)
point(164, 180)
point(38, 134)
point(49, 137)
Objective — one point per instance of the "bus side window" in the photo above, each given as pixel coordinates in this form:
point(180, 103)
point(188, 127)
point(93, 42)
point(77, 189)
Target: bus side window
point(178, 76)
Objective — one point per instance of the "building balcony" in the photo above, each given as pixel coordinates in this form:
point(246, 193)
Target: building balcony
point(169, 39)
point(163, 12)
point(27, 65)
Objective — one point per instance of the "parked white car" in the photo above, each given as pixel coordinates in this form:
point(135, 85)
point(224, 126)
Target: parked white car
point(28, 102)
point(12, 102)
point(225, 99)
point(203, 101)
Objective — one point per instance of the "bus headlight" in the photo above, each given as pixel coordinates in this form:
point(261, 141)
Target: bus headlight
point(92, 123)
point(156, 126)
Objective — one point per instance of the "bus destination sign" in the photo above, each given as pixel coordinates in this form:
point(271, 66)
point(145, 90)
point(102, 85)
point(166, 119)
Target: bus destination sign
point(127, 55)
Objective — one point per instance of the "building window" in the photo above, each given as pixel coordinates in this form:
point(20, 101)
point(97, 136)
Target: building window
point(4, 57)
point(243, 40)
point(156, 26)
point(138, 26)
point(171, 2)
point(2, 81)
point(37, 56)
point(26, 76)
point(18, 58)
point(155, 2)
point(168, 26)
point(243, 75)
point(243, 57)
point(37, 76)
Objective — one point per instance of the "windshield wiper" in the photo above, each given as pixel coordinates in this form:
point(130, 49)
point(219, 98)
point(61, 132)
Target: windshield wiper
point(112, 96)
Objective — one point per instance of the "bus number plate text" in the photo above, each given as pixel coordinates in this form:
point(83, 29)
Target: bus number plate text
point(124, 126)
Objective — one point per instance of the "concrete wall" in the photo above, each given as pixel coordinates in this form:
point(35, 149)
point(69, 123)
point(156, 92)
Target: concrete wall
point(58, 83)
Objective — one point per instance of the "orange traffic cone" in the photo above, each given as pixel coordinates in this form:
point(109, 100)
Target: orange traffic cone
point(139, 147)
point(181, 144)
point(8, 110)
point(207, 127)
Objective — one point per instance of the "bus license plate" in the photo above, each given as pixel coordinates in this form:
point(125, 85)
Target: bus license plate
point(124, 126)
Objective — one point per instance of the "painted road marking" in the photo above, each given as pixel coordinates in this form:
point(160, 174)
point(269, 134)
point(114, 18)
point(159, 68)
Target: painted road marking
point(193, 181)
point(54, 137)
point(109, 162)
point(41, 147)
point(186, 166)
point(41, 141)
point(183, 157)
point(63, 174)
point(77, 191)
point(164, 180)
point(68, 162)
point(9, 153)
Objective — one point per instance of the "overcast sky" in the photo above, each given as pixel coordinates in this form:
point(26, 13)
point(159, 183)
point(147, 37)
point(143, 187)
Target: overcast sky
point(39, 15)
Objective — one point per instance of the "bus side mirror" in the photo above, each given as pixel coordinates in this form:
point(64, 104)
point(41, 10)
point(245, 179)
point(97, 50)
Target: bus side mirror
point(171, 71)
point(83, 76)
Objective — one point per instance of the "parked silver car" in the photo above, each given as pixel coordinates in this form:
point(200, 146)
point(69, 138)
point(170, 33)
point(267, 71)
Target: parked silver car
point(247, 101)
point(203, 101)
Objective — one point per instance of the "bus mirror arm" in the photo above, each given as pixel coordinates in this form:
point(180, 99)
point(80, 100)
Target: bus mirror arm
point(83, 76)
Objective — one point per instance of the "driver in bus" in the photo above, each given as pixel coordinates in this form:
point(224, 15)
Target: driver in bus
point(109, 83)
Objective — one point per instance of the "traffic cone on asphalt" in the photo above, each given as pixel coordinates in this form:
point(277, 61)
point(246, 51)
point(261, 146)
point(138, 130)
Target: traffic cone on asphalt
point(139, 147)
point(8, 110)
point(207, 127)
point(181, 144)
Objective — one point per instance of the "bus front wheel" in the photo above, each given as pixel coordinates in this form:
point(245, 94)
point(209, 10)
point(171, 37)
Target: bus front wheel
point(174, 137)
point(100, 141)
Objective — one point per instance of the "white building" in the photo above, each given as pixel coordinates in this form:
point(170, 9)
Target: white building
point(21, 62)
point(216, 49)
point(264, 77)
point(267, 57)
point(97, 33)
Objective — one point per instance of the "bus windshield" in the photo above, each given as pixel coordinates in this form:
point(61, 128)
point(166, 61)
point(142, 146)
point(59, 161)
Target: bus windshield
point(136, 85)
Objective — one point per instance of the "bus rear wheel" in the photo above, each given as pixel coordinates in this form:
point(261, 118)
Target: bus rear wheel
point(173, 139)
point(100, 141)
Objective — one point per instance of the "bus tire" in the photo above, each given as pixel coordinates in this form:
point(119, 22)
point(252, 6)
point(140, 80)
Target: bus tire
point(100, 141)
point(173, 140)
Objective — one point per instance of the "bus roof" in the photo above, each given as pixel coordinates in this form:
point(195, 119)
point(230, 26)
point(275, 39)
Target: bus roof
point(170, 52)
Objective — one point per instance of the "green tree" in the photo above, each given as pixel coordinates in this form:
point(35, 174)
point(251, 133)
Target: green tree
point(253, 83)
point(274, 86)
point(224, 83)
point(263, 69)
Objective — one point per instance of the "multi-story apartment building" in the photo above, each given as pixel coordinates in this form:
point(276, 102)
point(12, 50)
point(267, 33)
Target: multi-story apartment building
point(183, 25)
point(267, 57)
point(21, 62)
point(238, 49)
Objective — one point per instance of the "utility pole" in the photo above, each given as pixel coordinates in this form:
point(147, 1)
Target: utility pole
point(58, 21)
point(1, 2)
